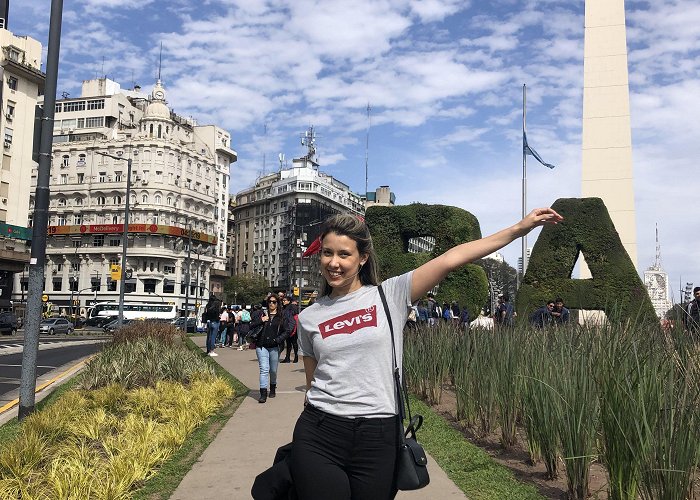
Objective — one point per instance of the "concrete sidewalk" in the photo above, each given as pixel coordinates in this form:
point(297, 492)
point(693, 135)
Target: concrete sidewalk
point(247, 443)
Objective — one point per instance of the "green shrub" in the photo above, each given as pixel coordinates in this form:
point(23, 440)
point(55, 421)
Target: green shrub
point(142, 362)
point(393, 227)
point(165, 333)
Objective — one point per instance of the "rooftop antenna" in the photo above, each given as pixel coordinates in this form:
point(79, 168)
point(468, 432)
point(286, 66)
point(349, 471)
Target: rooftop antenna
point(369, 124)
point(160, 60)
point(281, 159)
point(657, 261)
point(309, 140)
point(264, 148)
point(103, 67)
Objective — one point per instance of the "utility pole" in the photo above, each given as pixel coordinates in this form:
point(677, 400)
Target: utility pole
point(41, 219)
point(187, 271)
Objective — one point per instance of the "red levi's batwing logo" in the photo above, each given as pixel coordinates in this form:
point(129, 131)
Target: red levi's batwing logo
point(349, 322)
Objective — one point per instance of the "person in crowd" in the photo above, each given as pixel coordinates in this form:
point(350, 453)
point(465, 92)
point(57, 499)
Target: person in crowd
point(231, 327)
point(346, 439)
point(433, 309)
point(542, 317)
point(290, 311)
point(482, 321)
point(456, 312)
point(505, 312)
point(211, 316)
point(275, 329)
point(692, 316)
point(446, 312)
point(243, 326)
point(422, 312)
point(560, 314)
point(464, 319)
point(223, 326)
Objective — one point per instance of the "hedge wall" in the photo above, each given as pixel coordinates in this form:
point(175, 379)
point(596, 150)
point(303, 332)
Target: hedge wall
point(587, 228)
point(392, 227)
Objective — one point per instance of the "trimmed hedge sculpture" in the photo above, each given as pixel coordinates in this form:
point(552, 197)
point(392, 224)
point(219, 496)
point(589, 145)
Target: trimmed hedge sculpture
point(615, 286)
point(392, 227)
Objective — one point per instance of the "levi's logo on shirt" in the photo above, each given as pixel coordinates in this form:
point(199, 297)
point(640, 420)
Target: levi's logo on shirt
point(349, 322)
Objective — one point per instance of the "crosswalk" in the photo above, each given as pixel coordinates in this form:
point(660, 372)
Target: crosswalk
point(11, 345)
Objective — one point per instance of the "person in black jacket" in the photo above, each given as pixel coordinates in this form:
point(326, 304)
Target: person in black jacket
point(276, 328)
point(290, 311)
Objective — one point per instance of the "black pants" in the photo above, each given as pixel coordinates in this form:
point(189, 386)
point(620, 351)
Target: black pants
point(343, 458)
point(292, 343)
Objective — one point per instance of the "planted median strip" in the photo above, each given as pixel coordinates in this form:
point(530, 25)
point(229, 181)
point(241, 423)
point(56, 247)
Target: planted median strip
point(130, 411)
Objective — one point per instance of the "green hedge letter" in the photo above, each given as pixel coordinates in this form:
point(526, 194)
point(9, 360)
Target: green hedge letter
point(393, 227)
point(615, 286)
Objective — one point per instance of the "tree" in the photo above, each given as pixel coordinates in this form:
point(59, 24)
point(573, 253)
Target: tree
point(246, 288)
point(502, 277)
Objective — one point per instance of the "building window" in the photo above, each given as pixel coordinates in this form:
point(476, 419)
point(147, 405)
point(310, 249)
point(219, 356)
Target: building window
point(168, 286)
point(111, 285)
point(65, 160)
point(103, 177)
point(61, 202)
point(98, 240)
point(61, 220)
point(115, 242)
point(75, 266)
point(117, 200)
point(78, 219)
point(96, 104)
point(57, 285)
point(158, 199)
point(144, 198)
point(79, 202)
point(169, 269)
point(129, 287)
point(149, 286)
point(74, 106)
point(8, 135)
point(81, 178)
point(101, 200)
point(117, 176)
point(64, 178)
point(12, 82)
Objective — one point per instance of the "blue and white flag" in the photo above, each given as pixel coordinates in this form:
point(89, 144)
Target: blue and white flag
point(529, 151)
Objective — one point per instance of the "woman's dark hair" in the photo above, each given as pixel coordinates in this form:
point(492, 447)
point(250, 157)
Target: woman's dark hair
point(355, 229)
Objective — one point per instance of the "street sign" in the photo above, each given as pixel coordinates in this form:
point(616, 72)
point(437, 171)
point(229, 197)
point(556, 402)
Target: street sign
point(295, 292)
point(115, 272)
point(44, 298)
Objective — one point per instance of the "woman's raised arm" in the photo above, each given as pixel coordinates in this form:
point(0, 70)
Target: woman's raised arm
point(434, 271)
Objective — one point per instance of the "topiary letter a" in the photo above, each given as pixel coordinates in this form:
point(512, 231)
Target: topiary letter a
point(615, 286)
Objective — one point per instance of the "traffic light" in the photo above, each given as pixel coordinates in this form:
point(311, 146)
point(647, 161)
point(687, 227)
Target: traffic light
point(115, 272)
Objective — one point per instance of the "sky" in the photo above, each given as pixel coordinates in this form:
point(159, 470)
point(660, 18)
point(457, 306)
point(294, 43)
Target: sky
point(443, 79)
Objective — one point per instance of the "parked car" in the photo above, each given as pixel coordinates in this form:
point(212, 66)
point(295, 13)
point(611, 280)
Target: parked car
point(191, 324)
point(8, 323)
point(99, 321)
point(114, 324)
point(53, 326)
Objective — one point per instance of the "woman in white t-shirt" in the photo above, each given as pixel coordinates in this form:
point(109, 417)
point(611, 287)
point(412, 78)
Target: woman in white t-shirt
point(345, 441)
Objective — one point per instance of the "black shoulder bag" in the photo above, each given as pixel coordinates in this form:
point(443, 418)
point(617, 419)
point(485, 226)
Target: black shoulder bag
point(411, 463)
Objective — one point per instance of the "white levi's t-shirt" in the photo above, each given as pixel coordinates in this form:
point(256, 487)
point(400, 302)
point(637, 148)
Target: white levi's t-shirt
point(350, 339)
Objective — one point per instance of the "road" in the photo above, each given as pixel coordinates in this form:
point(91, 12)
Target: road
point(54, 353)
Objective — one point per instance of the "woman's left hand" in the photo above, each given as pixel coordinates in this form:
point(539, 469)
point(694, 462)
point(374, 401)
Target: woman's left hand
point(538, 217)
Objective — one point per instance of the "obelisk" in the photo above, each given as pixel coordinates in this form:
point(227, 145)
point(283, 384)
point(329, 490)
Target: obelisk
point(606, 170)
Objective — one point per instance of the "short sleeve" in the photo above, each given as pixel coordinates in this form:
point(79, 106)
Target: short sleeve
point(306, 347)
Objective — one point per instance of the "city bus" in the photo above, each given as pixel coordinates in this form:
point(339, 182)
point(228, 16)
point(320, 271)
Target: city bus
point(103, 311)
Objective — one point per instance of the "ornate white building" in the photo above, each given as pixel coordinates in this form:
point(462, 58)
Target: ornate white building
point(179, 181)
point(656, 281)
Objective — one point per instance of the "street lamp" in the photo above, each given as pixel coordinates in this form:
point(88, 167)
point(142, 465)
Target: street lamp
point(125, 232)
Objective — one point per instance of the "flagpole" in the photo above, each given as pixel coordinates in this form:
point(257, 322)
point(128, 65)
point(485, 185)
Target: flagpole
point(524, 197)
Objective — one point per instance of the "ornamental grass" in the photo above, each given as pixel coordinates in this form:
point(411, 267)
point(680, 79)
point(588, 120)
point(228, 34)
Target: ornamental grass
point(135, 405)
point(625, 395)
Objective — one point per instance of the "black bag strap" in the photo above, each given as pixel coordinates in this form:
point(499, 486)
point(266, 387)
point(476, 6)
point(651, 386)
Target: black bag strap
point(401, 390)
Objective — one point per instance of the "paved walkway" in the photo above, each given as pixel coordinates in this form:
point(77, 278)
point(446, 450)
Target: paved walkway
point(246, 445)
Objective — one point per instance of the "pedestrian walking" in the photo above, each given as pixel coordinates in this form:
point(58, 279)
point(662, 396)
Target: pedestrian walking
point(275, 329)
point(346, 439)
point(291, 311)
point(211, 318)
